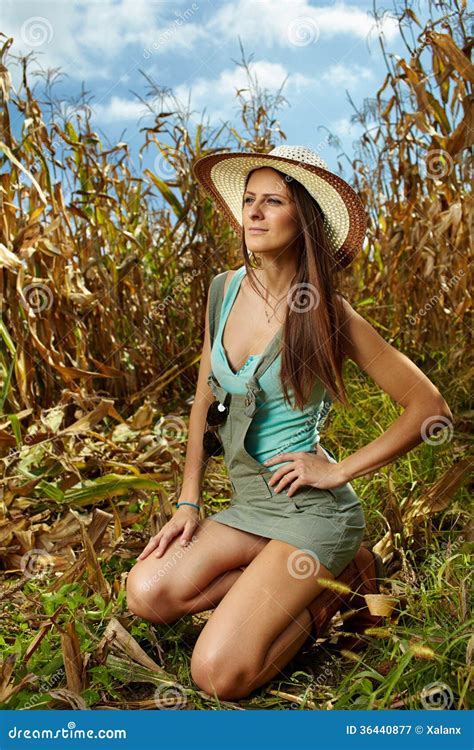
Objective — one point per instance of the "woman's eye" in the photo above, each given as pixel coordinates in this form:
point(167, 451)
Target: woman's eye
point(273, 200)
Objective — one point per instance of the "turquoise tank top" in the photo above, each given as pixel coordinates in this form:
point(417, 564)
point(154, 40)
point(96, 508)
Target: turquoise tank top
point(275, 427)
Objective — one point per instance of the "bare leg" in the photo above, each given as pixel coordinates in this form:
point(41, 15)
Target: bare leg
point(282, 650)
point(193, 579)
point(210, 597)
point(286, 645)
point(260, 624)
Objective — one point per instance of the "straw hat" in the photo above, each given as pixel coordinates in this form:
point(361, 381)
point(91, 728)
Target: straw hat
point(223, 175)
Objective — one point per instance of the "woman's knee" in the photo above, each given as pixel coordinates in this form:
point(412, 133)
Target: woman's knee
point(149, 597)
point(221, 678)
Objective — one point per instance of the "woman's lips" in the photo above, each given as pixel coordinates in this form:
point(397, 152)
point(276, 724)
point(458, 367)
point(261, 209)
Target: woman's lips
point(257, 231)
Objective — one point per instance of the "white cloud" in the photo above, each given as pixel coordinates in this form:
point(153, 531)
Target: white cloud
point(218, 95)
point(118, 109)
point(296, 23)
point(341, 75)
point(47, 32)
point(88, 38)
point(106, 27)
point(344, 127)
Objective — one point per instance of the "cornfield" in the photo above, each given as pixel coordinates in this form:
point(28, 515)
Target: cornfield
point(104, 278)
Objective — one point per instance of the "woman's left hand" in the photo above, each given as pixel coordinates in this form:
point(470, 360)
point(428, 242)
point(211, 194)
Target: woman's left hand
point(304, 469)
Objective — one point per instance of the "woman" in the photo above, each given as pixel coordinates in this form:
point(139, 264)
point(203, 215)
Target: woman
point(263, 392)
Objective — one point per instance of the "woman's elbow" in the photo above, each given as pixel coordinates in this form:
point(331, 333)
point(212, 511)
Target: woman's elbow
point(444, 410)
point(438, 407)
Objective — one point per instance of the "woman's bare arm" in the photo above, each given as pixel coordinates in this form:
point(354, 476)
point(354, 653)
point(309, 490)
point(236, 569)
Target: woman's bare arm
point(398, 376)
point(196, 459)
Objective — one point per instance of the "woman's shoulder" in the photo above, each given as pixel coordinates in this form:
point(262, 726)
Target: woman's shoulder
point(216, 284)
point(345, 305)
point(229, 276)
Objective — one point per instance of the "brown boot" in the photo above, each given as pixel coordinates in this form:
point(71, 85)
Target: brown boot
point(358, 614)
point(362, 576)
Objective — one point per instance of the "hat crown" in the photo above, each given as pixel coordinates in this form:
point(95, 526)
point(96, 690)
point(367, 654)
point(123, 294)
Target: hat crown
point(302, 154)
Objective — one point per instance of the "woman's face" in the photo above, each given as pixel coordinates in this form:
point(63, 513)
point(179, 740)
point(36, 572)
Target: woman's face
point(268, 205)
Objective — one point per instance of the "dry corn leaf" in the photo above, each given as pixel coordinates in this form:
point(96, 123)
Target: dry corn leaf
point(72, 657)
point(116, 636)
point(452, 53)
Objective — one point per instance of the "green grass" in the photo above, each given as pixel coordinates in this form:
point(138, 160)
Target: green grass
point(420, 660)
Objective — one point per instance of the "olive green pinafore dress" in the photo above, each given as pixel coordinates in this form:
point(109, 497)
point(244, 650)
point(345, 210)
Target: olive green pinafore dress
point(328, 524)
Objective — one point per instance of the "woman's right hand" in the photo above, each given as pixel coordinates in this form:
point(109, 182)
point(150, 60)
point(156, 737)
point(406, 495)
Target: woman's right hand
point(184, 520)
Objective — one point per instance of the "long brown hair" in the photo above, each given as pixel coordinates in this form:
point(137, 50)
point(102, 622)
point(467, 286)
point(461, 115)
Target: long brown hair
point(311, 335)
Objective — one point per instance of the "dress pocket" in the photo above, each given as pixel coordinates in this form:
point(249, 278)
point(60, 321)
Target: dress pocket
point(311, 498)
point(308, 497)
point(248, 488)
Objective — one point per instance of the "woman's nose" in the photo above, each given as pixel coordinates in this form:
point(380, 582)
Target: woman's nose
point(255, 210)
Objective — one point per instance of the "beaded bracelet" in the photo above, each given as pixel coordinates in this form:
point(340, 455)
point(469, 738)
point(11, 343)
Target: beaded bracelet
point(184, 503)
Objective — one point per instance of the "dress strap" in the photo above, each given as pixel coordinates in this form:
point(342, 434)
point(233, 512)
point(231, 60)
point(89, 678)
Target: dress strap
point(216, 298)
point(216, 294)
point(270, 354)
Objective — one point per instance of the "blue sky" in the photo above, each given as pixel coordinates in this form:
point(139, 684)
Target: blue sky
point(323, 49)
